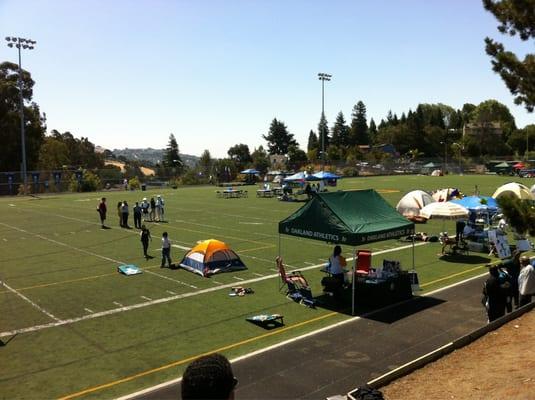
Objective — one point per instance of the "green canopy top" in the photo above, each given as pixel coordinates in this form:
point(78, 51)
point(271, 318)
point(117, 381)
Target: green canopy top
point(351, 217)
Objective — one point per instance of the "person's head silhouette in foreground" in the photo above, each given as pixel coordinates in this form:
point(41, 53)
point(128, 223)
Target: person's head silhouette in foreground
point(209, 377)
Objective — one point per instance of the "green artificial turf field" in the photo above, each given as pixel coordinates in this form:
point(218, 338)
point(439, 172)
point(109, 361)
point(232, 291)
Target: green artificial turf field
point(73, 327)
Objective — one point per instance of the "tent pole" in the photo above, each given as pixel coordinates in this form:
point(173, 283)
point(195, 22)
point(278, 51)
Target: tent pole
point(353, 277)
point(413, 267)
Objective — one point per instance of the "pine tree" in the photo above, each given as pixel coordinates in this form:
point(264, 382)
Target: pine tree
point(323, 131)
point(313, 142)
point(172, 156)
point(340, 132)
point(359, 125)
point(278, 138)
point(372, 130)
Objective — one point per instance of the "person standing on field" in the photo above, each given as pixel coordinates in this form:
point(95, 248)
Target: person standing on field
point(166, 250)
point(137, 216)
point(145, 237)
point(102, 211)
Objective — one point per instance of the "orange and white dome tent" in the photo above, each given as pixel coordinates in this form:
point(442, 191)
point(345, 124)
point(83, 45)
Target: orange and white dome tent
point(513, 189)
point(210, 257)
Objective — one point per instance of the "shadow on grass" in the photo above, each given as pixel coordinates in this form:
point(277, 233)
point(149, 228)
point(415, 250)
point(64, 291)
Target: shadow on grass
point(380, 312)
point(465, 258)
point(4, 343)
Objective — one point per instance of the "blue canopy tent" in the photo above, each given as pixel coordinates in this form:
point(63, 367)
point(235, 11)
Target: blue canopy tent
point(479, 206)
point(301, 177)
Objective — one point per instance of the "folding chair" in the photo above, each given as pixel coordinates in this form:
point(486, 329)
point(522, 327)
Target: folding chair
point(364, 261)
point(297, 287)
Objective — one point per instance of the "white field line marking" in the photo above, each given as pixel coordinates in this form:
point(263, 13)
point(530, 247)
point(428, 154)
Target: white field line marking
point(11, 205)
point(4, 239)
point(292, 340)
point(89, 310)
point(30, 302)
point(309, 263)
point(181, 247)
point(274, 269)
point(170, 292)
point(257, 274)
point(165, 299)
point(251, 223)
point(118, 304)
point(216, 282)
point(239, 279)
point(170, 279)
point(94, 254)
point(146, 298)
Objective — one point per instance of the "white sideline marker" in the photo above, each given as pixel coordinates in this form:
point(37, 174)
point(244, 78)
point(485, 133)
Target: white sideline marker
point(11, 205)
point(88, 310)
point(181, 247)
point(257, 274)
point(146, 298)
point(237, 278)
point(118, 304)
point(217, 283)
point(170, 292)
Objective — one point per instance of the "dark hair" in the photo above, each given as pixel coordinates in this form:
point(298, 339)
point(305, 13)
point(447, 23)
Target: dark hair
point(164, 234)
point(337, 250)
point(208, 377)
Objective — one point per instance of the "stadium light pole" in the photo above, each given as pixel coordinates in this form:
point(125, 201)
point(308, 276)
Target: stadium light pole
point(323, 77)
point(26, 44)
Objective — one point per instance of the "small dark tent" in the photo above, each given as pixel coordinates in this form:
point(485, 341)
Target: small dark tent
point(352, 218)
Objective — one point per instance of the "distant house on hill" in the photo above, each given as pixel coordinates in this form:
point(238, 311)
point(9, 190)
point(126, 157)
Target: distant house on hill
point(474, 129)
point(278, 161)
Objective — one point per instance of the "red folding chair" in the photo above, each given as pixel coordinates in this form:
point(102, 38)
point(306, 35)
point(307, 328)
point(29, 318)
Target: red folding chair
point(364, 262)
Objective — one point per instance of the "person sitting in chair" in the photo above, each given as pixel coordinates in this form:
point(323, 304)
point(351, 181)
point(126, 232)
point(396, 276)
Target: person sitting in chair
point(337, 263)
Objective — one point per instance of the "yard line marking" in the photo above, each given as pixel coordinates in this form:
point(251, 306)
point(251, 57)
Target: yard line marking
point(216, 282)
point(239, 279)
point(257, 274)
point(171, 298)
point(309, 263)
point(118, 304)
point(146, 298)
point(88, 310)
point(274, 269)
point(170, 292)
point(181, 247)
point(11, 205)
point(258, 248)
point(31, 302)
point(4, 239)
point(171, 279)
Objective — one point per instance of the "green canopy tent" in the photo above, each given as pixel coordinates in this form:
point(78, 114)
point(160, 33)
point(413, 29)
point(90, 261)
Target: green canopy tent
point(351, 218)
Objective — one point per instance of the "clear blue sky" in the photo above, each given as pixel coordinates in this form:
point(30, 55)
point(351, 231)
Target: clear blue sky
point(215, 73)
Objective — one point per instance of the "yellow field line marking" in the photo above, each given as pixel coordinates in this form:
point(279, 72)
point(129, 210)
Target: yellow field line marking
point(189, 359)
point(257, 248)
point(452, 276)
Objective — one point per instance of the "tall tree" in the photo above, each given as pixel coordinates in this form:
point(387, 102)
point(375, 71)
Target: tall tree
point(313, 143)
point(323, 132)
point(205, 163)
point(296, 157)
point(260, 159)
point(11, 148)
point(240, 155)
point(359, 125)
point(515, 17)
point(171, 158)
point(278, 138)
point(340, 132)
point(372, 130)
point(53, 154)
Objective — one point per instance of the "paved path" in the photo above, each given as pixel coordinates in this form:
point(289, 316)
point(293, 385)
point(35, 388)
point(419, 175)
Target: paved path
point(340, 359)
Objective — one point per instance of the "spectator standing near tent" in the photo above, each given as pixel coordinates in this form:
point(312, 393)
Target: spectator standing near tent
point(137, 216)
point(494, 294)
point(159, 208)
point(209, 377)
point(145, 237)
point(120, 213)
point(166, 250)
point(152, 213)
point(145, 209)
point(337, 263)
point(526, 281)
point(102, 211)
point(125, 212)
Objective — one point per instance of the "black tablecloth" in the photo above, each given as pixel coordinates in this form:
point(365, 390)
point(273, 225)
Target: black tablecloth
point(378, 292)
